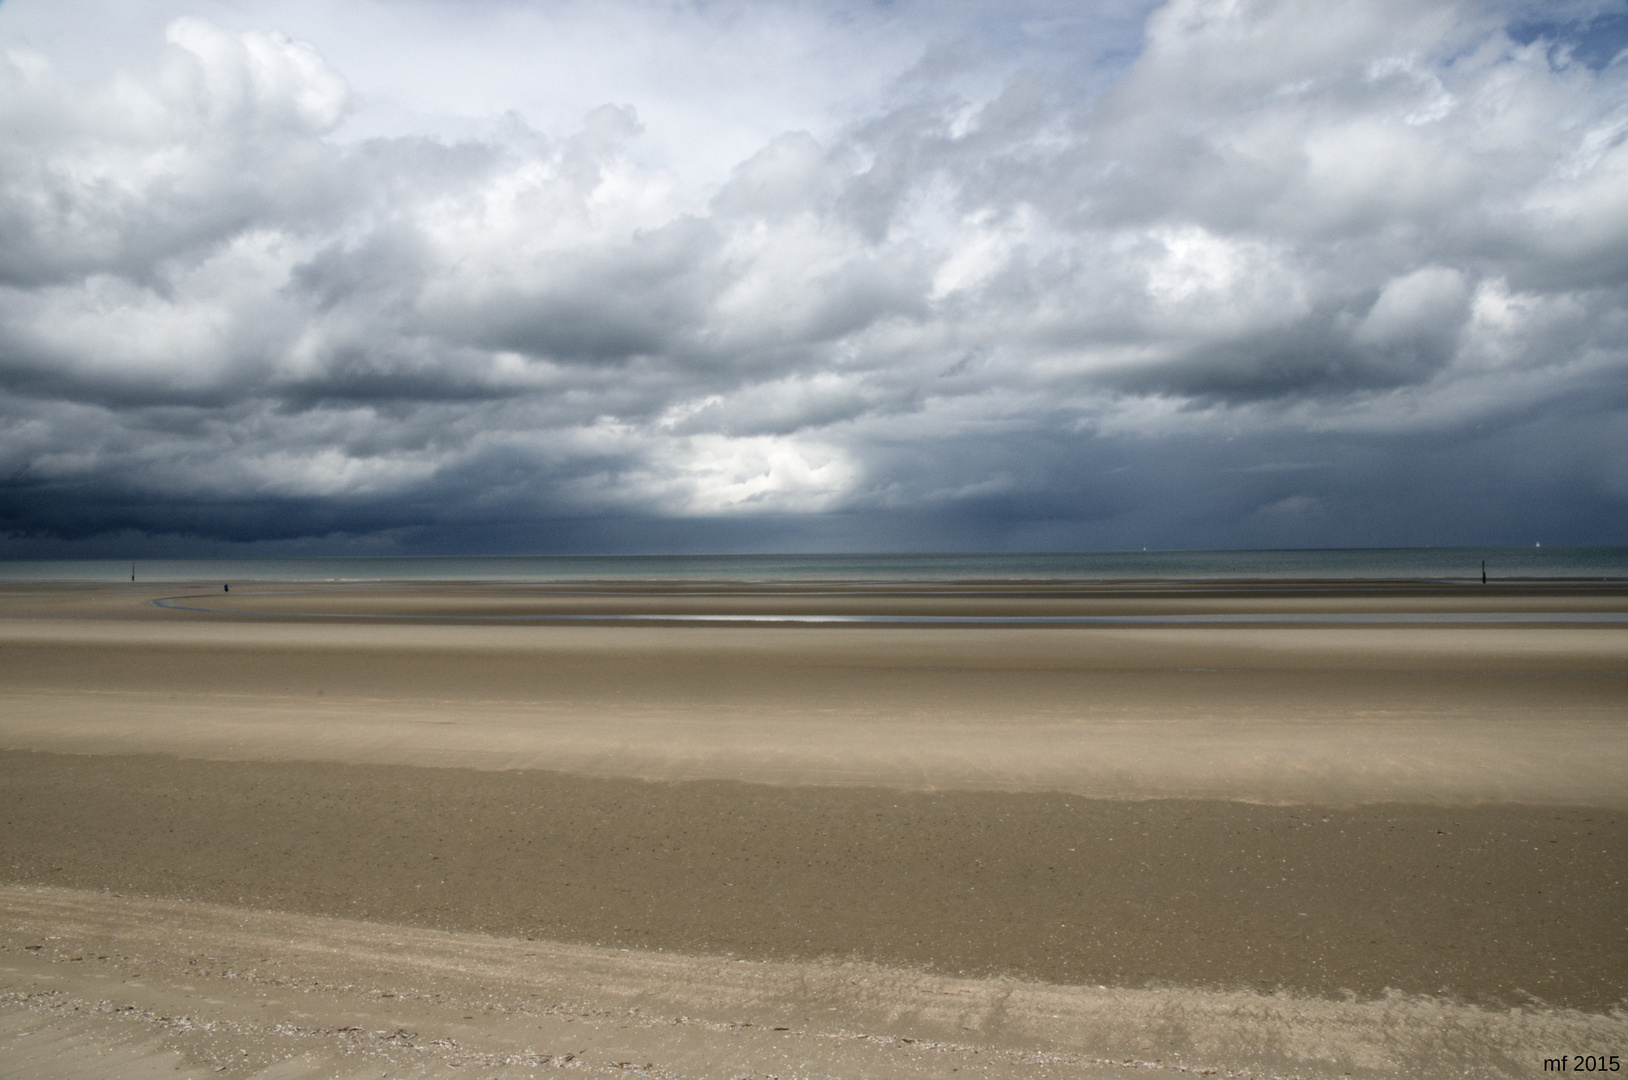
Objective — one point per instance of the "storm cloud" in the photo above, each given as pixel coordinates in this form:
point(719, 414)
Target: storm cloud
point(694, 276)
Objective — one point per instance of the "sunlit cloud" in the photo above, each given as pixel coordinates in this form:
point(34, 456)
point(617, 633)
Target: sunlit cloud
point(805, 275)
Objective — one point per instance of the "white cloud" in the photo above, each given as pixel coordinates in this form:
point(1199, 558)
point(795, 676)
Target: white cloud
point(1282, 219)
point(1428, 302)
point(252, 80)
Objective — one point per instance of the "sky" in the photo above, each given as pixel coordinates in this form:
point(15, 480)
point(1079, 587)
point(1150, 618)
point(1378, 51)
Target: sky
point(463, 277)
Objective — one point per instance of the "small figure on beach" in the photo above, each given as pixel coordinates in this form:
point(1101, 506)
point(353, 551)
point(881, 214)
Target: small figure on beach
point(228, 588)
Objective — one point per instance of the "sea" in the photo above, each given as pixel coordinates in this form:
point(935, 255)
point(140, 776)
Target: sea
point(1355, 564)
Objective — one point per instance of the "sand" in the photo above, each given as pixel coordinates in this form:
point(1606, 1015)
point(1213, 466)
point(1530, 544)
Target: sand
point(1033, 850)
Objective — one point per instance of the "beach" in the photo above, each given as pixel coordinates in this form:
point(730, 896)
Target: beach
point(305, 819)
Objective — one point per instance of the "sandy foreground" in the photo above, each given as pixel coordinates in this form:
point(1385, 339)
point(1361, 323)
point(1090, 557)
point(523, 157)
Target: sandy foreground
point(408, 831)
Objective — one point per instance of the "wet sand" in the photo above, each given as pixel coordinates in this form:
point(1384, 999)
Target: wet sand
point(1329, 816)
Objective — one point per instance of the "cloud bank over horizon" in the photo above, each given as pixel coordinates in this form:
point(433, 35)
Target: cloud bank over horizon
point(483, 276)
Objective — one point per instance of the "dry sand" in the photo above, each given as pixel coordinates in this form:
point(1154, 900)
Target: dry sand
point(1266, 850)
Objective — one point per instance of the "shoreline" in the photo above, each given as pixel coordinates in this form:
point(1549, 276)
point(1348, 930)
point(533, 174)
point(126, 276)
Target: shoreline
point(1314, 850)
point(1341, 714)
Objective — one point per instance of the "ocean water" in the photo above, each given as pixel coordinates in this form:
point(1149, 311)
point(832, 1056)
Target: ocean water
point(1434, 564)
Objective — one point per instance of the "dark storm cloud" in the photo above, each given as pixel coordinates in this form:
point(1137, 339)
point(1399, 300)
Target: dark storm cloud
point(1283, 272)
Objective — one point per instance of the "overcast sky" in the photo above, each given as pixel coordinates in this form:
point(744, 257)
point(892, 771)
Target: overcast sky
point(511, 276)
